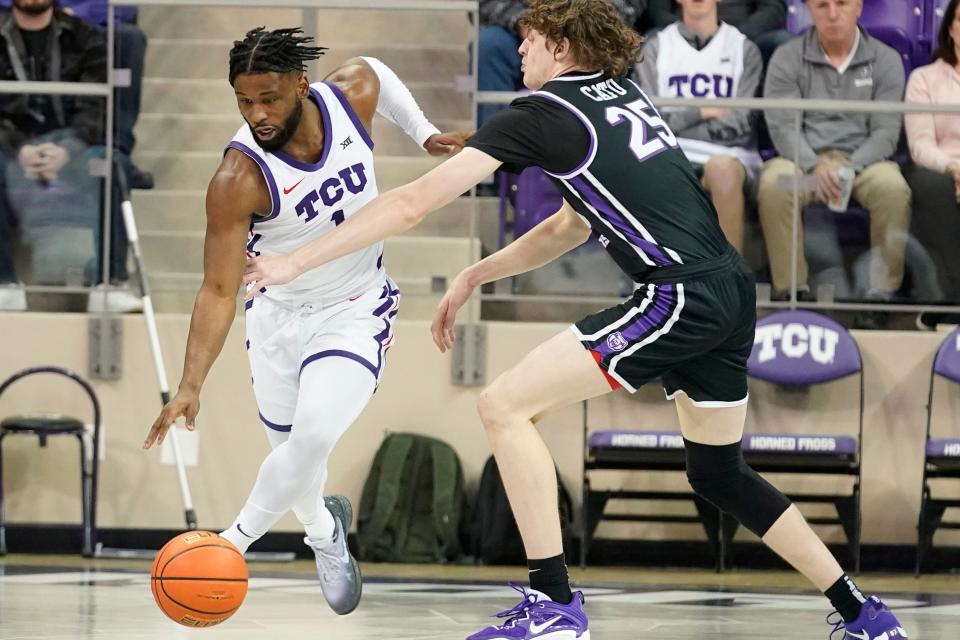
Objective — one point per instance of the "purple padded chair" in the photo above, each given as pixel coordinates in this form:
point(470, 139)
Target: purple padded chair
point(792, 348)
point(632, 450)
point(941, 455)
point(799, 349)
point(899, 23)
point(533, 196)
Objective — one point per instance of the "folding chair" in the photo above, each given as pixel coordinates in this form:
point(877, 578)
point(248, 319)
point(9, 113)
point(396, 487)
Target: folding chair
point(941, 455)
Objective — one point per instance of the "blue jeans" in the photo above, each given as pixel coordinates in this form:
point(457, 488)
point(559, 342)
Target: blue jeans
point(8, 272)
point(75, 199)
point(498, 68)
point(130, 47)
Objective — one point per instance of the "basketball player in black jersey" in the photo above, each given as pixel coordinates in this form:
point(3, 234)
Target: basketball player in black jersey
point(690, 322)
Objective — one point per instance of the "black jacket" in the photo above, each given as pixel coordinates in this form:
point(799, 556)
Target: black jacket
point(77, 53)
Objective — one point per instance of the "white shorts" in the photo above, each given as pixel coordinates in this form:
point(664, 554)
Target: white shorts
point(283, 339)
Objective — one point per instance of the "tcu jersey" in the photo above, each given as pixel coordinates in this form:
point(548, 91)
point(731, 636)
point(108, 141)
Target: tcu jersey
point(635, 188)
point(310, 200)
point(711, 72)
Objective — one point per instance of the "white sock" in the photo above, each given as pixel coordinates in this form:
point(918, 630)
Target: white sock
point(250, 526)
point(322, 527)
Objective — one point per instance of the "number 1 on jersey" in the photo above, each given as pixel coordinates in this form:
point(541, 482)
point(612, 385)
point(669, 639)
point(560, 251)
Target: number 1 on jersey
point(337, 218)
point(642, 143)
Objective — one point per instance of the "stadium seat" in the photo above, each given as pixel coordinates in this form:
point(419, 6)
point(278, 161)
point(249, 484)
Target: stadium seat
point(795, 350)
point(898, 23)
point(534, 199)
point(792, 349)
point(933, 16)
point(941, 454)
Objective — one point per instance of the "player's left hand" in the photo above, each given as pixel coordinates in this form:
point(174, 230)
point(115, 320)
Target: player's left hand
point(447, 144)
point(446, 317)
point(264, 271)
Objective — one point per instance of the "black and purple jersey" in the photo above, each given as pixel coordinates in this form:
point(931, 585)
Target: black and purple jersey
point(618, 165)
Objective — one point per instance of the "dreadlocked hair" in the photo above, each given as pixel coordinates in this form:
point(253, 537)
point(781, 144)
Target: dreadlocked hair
point(280, 50)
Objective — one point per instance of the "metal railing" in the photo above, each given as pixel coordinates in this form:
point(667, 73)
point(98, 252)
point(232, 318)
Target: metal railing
point(105, 90)
point(799, 106)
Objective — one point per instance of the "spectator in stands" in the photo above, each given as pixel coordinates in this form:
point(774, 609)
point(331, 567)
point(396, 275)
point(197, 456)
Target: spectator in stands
point(701, 57)
point(935, 147)
point(49, 142)
point(763, 21)
point(500, 36)
point(836, 60)
point(130, 45)
point(12, 295)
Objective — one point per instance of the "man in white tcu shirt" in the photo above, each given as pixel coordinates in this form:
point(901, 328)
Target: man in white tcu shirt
point(300, 166)
point(702, 57)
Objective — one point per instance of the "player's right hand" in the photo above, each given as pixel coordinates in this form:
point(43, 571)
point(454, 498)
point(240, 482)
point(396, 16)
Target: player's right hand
point(446, 317)
point(186, 404)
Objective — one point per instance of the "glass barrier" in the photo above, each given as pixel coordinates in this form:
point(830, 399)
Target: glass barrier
point(189, 115)
point(54, 182)
point(878, 257)
point(63, 147)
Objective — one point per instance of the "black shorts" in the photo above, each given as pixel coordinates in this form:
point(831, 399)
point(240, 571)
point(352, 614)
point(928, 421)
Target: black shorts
point(695, 333)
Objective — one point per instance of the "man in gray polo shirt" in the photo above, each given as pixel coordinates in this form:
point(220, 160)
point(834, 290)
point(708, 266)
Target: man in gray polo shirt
point(836, 60)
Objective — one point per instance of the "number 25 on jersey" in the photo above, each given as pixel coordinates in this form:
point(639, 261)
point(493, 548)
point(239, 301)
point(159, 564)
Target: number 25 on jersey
point(649, 134)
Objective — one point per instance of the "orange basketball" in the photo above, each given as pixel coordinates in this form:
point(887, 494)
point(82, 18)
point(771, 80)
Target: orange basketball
point(198, 579)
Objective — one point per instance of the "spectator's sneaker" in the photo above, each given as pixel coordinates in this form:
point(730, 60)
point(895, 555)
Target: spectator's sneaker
point(537, 616)
point(138, 179)
point(116, 300)
point(339, 572)
point(13, 297)
point(875, 622)
point(930, 320)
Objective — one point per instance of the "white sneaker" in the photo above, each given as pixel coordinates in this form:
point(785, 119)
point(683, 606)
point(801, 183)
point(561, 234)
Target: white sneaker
point(13, 297)
point(116, 300)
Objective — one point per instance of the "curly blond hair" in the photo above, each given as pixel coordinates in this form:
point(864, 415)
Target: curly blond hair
point(598, 36)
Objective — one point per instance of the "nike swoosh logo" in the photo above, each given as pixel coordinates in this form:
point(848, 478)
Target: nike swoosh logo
point(286, 192)
point(862, 636)
point(537, 628)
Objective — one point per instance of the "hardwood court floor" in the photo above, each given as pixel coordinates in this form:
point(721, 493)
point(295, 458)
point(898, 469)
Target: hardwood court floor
point(66, 597)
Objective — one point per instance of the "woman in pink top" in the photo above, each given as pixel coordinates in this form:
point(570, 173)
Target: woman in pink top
point(935, 147)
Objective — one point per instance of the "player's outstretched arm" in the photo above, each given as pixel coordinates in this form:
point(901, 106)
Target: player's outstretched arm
point(372, 87)
point(546, 242)
point(234, 193)
point(391, 213)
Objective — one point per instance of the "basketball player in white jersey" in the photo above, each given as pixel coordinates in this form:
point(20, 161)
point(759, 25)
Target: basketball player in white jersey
point(701, 57)
point(300, 166)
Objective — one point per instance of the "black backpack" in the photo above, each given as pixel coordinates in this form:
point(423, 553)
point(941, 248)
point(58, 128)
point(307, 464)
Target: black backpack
point(494, 536)
point(412, 502)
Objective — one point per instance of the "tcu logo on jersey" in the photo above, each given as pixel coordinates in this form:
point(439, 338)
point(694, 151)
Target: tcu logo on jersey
point(331, 191)
point(699, 85)
point(796, 341)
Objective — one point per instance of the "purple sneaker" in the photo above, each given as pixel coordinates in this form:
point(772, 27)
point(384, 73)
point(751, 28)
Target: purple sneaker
point(537, 616)
point(875, 622)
